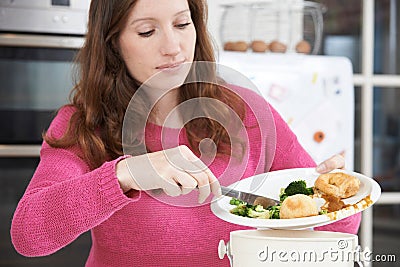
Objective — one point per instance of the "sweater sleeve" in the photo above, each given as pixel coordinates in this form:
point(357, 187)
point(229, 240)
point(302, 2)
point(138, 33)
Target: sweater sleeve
point(290, 154)
point(64, 199)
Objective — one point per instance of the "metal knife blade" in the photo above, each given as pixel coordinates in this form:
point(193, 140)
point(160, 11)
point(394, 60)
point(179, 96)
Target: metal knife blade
point(249, 198)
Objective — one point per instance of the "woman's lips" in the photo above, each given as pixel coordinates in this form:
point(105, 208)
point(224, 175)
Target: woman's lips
point(171, 67)
point(171, 74)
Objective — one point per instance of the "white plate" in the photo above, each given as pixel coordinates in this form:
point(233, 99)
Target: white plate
point(270, 184)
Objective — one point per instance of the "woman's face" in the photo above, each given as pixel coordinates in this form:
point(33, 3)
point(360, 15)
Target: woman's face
point(159, 37)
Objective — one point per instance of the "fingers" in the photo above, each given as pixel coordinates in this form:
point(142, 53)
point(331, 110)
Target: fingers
point(187, 172)
point(216, 188)
point(203, 186)
point(206, 180)
point(201, 177)
point(212, 181)
point(171, 188)
point(186, 183)
point(335, 162)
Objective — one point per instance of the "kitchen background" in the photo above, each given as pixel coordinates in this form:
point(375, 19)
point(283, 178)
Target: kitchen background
point(364, 31)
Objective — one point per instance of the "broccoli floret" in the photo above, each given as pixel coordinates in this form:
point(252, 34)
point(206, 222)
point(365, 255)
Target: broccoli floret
point(296, 187)
point(274, 211)
point(259, 213)
point(241, 207)
point(247, 210)
point(259, 208)
point(254, 211)
point(240, 210)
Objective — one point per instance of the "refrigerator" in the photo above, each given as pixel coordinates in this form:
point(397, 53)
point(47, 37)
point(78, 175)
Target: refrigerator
point(314, 95)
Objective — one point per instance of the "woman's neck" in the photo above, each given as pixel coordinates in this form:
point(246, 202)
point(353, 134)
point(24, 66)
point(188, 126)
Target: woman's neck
point(165, 111)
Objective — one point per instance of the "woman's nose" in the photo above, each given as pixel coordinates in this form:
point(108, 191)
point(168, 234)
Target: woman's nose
point(170, 44)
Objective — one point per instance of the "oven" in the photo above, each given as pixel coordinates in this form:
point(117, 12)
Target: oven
point(38, 44)
point(36, 78)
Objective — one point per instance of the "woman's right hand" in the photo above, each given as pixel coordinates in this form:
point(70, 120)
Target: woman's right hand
point(177, 171)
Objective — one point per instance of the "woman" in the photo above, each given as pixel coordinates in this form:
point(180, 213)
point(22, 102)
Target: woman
point(85, 182)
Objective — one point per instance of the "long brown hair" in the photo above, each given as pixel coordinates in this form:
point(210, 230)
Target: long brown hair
point(105, 86)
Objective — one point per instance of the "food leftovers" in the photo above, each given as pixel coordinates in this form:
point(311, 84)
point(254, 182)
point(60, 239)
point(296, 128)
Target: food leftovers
point(298, 201)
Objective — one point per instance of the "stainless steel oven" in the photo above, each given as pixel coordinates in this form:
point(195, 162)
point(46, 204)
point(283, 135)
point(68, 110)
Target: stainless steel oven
point(38, 43)
point(35, 79)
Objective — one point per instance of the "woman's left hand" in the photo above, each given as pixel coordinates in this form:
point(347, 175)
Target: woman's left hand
point(334, 162)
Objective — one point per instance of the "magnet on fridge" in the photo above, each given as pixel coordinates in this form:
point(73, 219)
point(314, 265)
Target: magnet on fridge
point(315, 78)
point(277, 92)
point(319, 136)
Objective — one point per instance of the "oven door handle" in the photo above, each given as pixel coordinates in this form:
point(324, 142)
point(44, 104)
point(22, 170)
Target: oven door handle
point(19, 151)
point(46, 41)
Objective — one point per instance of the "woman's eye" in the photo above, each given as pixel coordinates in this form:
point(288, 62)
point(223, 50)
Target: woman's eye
point(146, 34)
point(182, 25)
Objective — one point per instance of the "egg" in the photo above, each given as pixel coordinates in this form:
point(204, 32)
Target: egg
point(303, 47)
point(240, 46)
point(277, 47)
point(259, 46)
point(228, 46)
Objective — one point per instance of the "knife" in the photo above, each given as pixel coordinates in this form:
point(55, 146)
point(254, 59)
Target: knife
point(249, 198)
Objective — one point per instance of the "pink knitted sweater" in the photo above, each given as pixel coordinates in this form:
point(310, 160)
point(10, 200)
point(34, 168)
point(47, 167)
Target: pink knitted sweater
point(65, 198)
